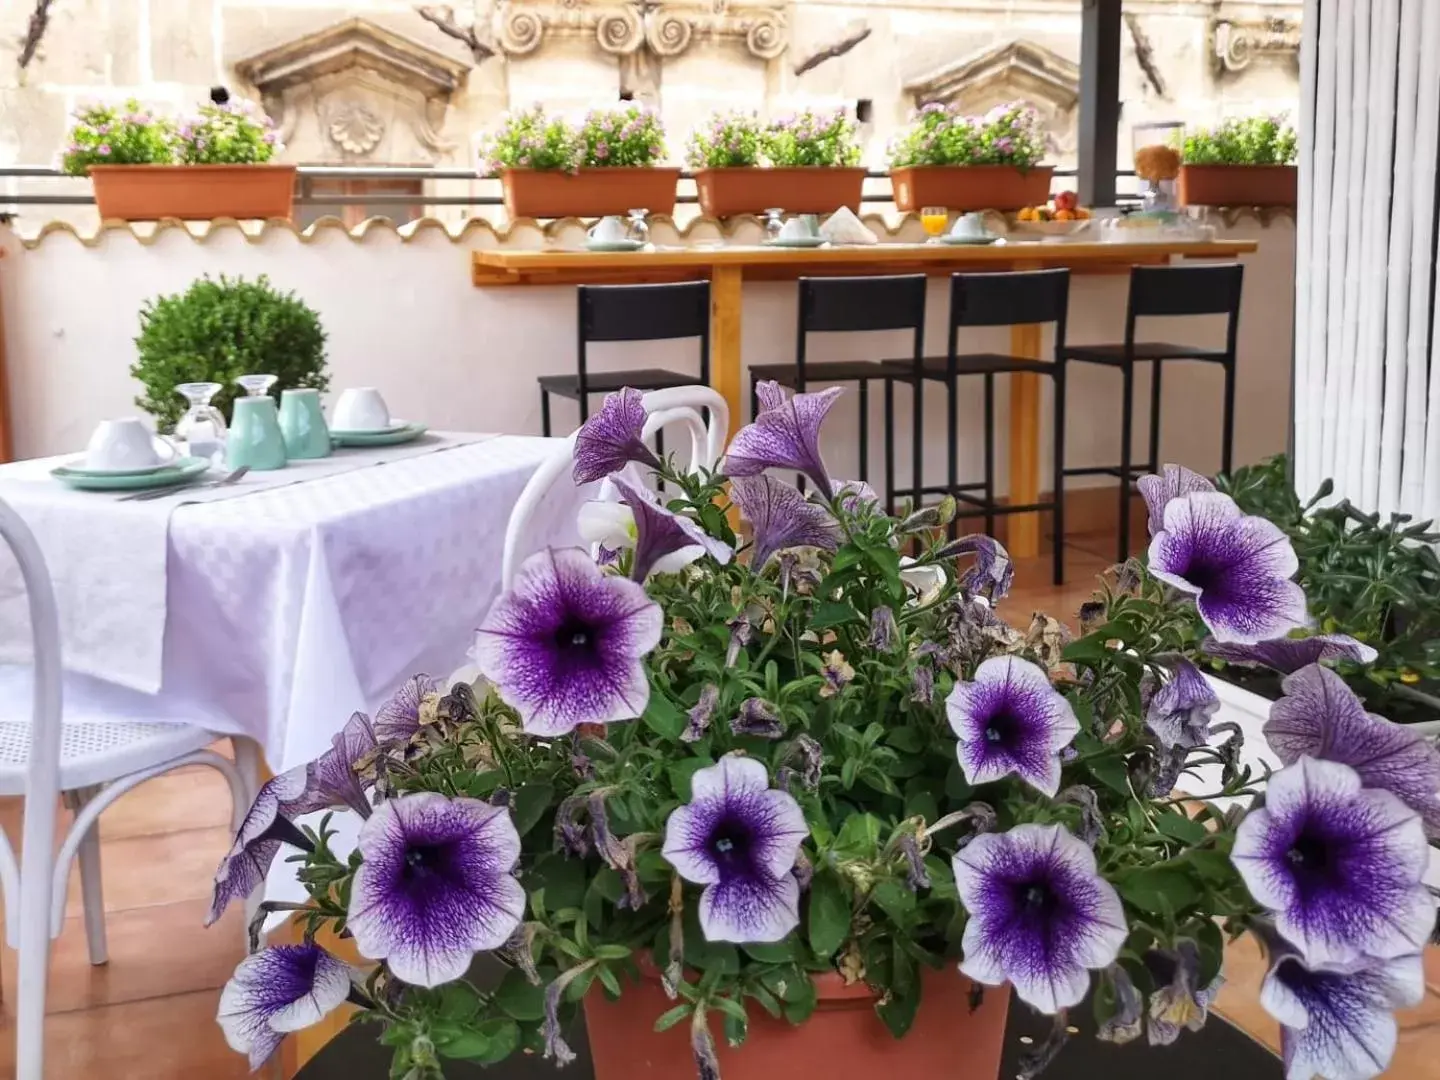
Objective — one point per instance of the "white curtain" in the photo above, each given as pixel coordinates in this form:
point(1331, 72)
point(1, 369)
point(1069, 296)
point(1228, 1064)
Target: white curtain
point(1367, 409)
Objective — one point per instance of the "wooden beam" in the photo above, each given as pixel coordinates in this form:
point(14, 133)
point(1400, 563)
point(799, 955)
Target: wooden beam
point(1100, 23)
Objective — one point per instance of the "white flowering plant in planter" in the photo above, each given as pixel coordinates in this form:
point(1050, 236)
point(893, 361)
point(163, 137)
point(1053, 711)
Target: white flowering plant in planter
point(732, 766)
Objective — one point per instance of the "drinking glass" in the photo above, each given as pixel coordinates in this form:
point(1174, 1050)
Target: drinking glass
point(257, 385)
point(774, 222)
point(933, 220)
point(202, 428)
point(639, 230)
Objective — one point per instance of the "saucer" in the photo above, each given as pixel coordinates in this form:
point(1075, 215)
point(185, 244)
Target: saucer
point(404, 434)
point(614, 245)
point(388, 429)
point(951, 238)
point(177, 472)
point(797, 241)
point(77, 467)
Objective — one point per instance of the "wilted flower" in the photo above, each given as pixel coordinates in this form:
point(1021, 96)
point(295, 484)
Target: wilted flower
point(277, 991)
point(1125, 1024)
point(1011, 720)
point(1179, 1004)
point(665, 542)
point(1340, 867)
point(435, 886)
point(698, 721)
point(1289, 654)
point(785, 434)
point(1041, 917)
point(992, 572)
point(400, 718)
point(781, 518)
point(837, 672)
point(611, 439)
point(883, 631)
point(1174, 481)
point(925, 581)
point(758, 720)
point(1179, 712)
point(566, 644)
point(333, 776)
point(1237, 567)
point(739, 838)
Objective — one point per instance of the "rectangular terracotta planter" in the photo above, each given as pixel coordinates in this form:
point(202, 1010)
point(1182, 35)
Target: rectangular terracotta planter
point(552, 193)
point(1238, 185)
point(970, 187)
point(193, 192)
point(799, 190)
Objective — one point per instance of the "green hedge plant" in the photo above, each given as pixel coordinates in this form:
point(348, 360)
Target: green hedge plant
point(1254, 140)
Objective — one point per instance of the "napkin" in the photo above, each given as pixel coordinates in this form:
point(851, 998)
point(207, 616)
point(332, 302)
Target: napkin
point(845, 228)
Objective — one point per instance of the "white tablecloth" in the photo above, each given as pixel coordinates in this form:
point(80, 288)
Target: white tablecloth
point(290, 608)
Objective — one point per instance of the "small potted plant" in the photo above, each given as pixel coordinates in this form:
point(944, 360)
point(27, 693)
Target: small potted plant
point(218, 330)
point(608, 165)
point(213, 165)
point(796, 806)
point(807, 164)
point(1245, 162)
point(971, 163)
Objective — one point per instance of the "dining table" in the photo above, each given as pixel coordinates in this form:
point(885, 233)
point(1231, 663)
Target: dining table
point(728, 266)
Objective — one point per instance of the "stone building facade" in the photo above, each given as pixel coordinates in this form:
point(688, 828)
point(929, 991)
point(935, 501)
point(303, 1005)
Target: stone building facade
point(379, 82)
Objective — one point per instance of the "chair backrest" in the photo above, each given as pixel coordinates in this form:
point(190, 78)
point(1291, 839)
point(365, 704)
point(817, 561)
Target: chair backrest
point(1015, 298)
point(853, 304)
point(642, 313)
point(1185, 290)
point(674, 405)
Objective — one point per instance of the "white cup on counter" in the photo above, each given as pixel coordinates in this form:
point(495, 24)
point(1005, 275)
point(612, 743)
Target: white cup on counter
point(127, 444)
point(360, 408)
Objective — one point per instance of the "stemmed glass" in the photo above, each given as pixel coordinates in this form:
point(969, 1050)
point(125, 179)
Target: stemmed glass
point(933, 220)
point(774, 223)
point(639, 230)
point(257, 385)
point(202, 428)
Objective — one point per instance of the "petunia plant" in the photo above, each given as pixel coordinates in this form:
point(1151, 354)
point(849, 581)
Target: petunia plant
point(731, 763)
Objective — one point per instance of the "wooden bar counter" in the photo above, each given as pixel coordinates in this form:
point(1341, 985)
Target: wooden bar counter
point(727, 266)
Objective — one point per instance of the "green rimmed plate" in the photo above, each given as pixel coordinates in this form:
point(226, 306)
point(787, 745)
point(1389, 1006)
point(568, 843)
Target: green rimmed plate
point(796, 241)
point(187, 468)
point(614, 245)
point(967, 241)
point(408, 433)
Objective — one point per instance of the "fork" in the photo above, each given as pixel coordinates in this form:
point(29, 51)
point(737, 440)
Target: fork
point(160, 493)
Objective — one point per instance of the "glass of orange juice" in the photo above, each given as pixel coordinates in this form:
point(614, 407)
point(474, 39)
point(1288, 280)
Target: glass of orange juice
point(934, 219)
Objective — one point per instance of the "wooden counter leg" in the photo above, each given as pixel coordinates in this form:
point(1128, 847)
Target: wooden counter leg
point(1023, 538)
point(725, 325)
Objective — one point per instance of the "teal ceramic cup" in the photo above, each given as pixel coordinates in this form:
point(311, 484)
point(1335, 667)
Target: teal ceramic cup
point(302, 424)
point(254, 439)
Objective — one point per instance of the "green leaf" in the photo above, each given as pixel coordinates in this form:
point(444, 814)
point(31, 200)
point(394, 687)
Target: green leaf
point(909, 740)
point(1110, 771)
point(899, 1011)
point(829, 914)
point(663, 716)
point(859, 836)
point(518, 997)
point(530, 804)
point(730, 1007)
point(1179, 827)
point(458, 1001)
point(828, 613)
point(486, 1043)
point(1212, 951)
point(801, 1003)
point(562, 878)
point(673, 1016)
point(780, 952)
point(895, 899)
point(608, 980)
point(1158, 889)
point(1213, 865)
point(680, 773)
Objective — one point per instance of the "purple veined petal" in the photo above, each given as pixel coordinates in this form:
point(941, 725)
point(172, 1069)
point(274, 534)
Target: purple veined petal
point(1319, 716)
point(1180, 711)
point(1289, 654)
point(1041, 917)
point(399, 718)
point(265, 827)
point(279, 990)
point(566, 644)
point(1173, 482)
point(1237, 567)
point(666, 542)
point(331, 779)
point(1338, 1021)
point(1010, 719)
point(781, 517)
point(785, 434)
point(611, 525)
point(750, 910)
point(1339, 866)
point(992, 573)
point(436, 885)
point(611, 439)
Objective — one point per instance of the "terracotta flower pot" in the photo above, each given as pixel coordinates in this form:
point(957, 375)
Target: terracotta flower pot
point(970, 187)
point(800, 190)
point(842, 1040)
point(1238, 185)
point(552, 193)
point(193, 192)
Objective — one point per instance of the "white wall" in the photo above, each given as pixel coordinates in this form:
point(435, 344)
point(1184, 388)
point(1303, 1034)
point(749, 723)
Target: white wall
point(403, 315)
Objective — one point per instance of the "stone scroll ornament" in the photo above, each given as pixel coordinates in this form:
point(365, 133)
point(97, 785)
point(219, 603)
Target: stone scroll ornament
point(623, 29)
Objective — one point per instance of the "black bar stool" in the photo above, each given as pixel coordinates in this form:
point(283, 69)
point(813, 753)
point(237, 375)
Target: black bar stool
point(844, 305)
point(1165, 290)
point(632, 313)
point(1006, 299)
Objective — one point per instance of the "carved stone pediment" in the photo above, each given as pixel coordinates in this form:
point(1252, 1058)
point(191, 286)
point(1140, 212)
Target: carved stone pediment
point(1237, 43)
point(667, 28)
point(356, 90)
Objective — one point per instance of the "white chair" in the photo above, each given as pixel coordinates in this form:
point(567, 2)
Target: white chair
point(673, 405)
point(90, 742)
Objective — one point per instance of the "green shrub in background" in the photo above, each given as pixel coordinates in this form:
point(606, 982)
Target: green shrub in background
point(1254, 140)
point(218, 330)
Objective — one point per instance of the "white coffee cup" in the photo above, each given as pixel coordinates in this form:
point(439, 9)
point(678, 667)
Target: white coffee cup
point(361, 408)
point(608, 230)
point(126, 444)
point(794, 229)
point(971, 224)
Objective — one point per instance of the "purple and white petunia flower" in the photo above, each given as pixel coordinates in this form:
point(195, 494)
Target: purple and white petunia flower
point(739, 838)
point(611, 439)
point(785, 434)
point(1338, 1021)
point(399, 718)
point(1237, 567)
point(277, 991)
point(332, 778)
point(1338, 865)
point(665, 542)
point(1011, 720)
point(1319, 716)
point(265, 827)
point(1041, 916)
point(565, 645)
point(781, 517)
point(436, 885)
point(1179, 712)
point(1173, 482)
point(1289, 654)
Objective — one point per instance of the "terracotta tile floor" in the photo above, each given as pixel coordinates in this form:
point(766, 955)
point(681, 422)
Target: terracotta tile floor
point(150, 1011)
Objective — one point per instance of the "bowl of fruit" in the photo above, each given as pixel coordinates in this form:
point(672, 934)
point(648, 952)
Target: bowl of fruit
point(1062, 217)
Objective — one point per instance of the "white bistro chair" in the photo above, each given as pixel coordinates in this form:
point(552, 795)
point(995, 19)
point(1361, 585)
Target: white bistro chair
point(680, 405)
point(90, 743)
